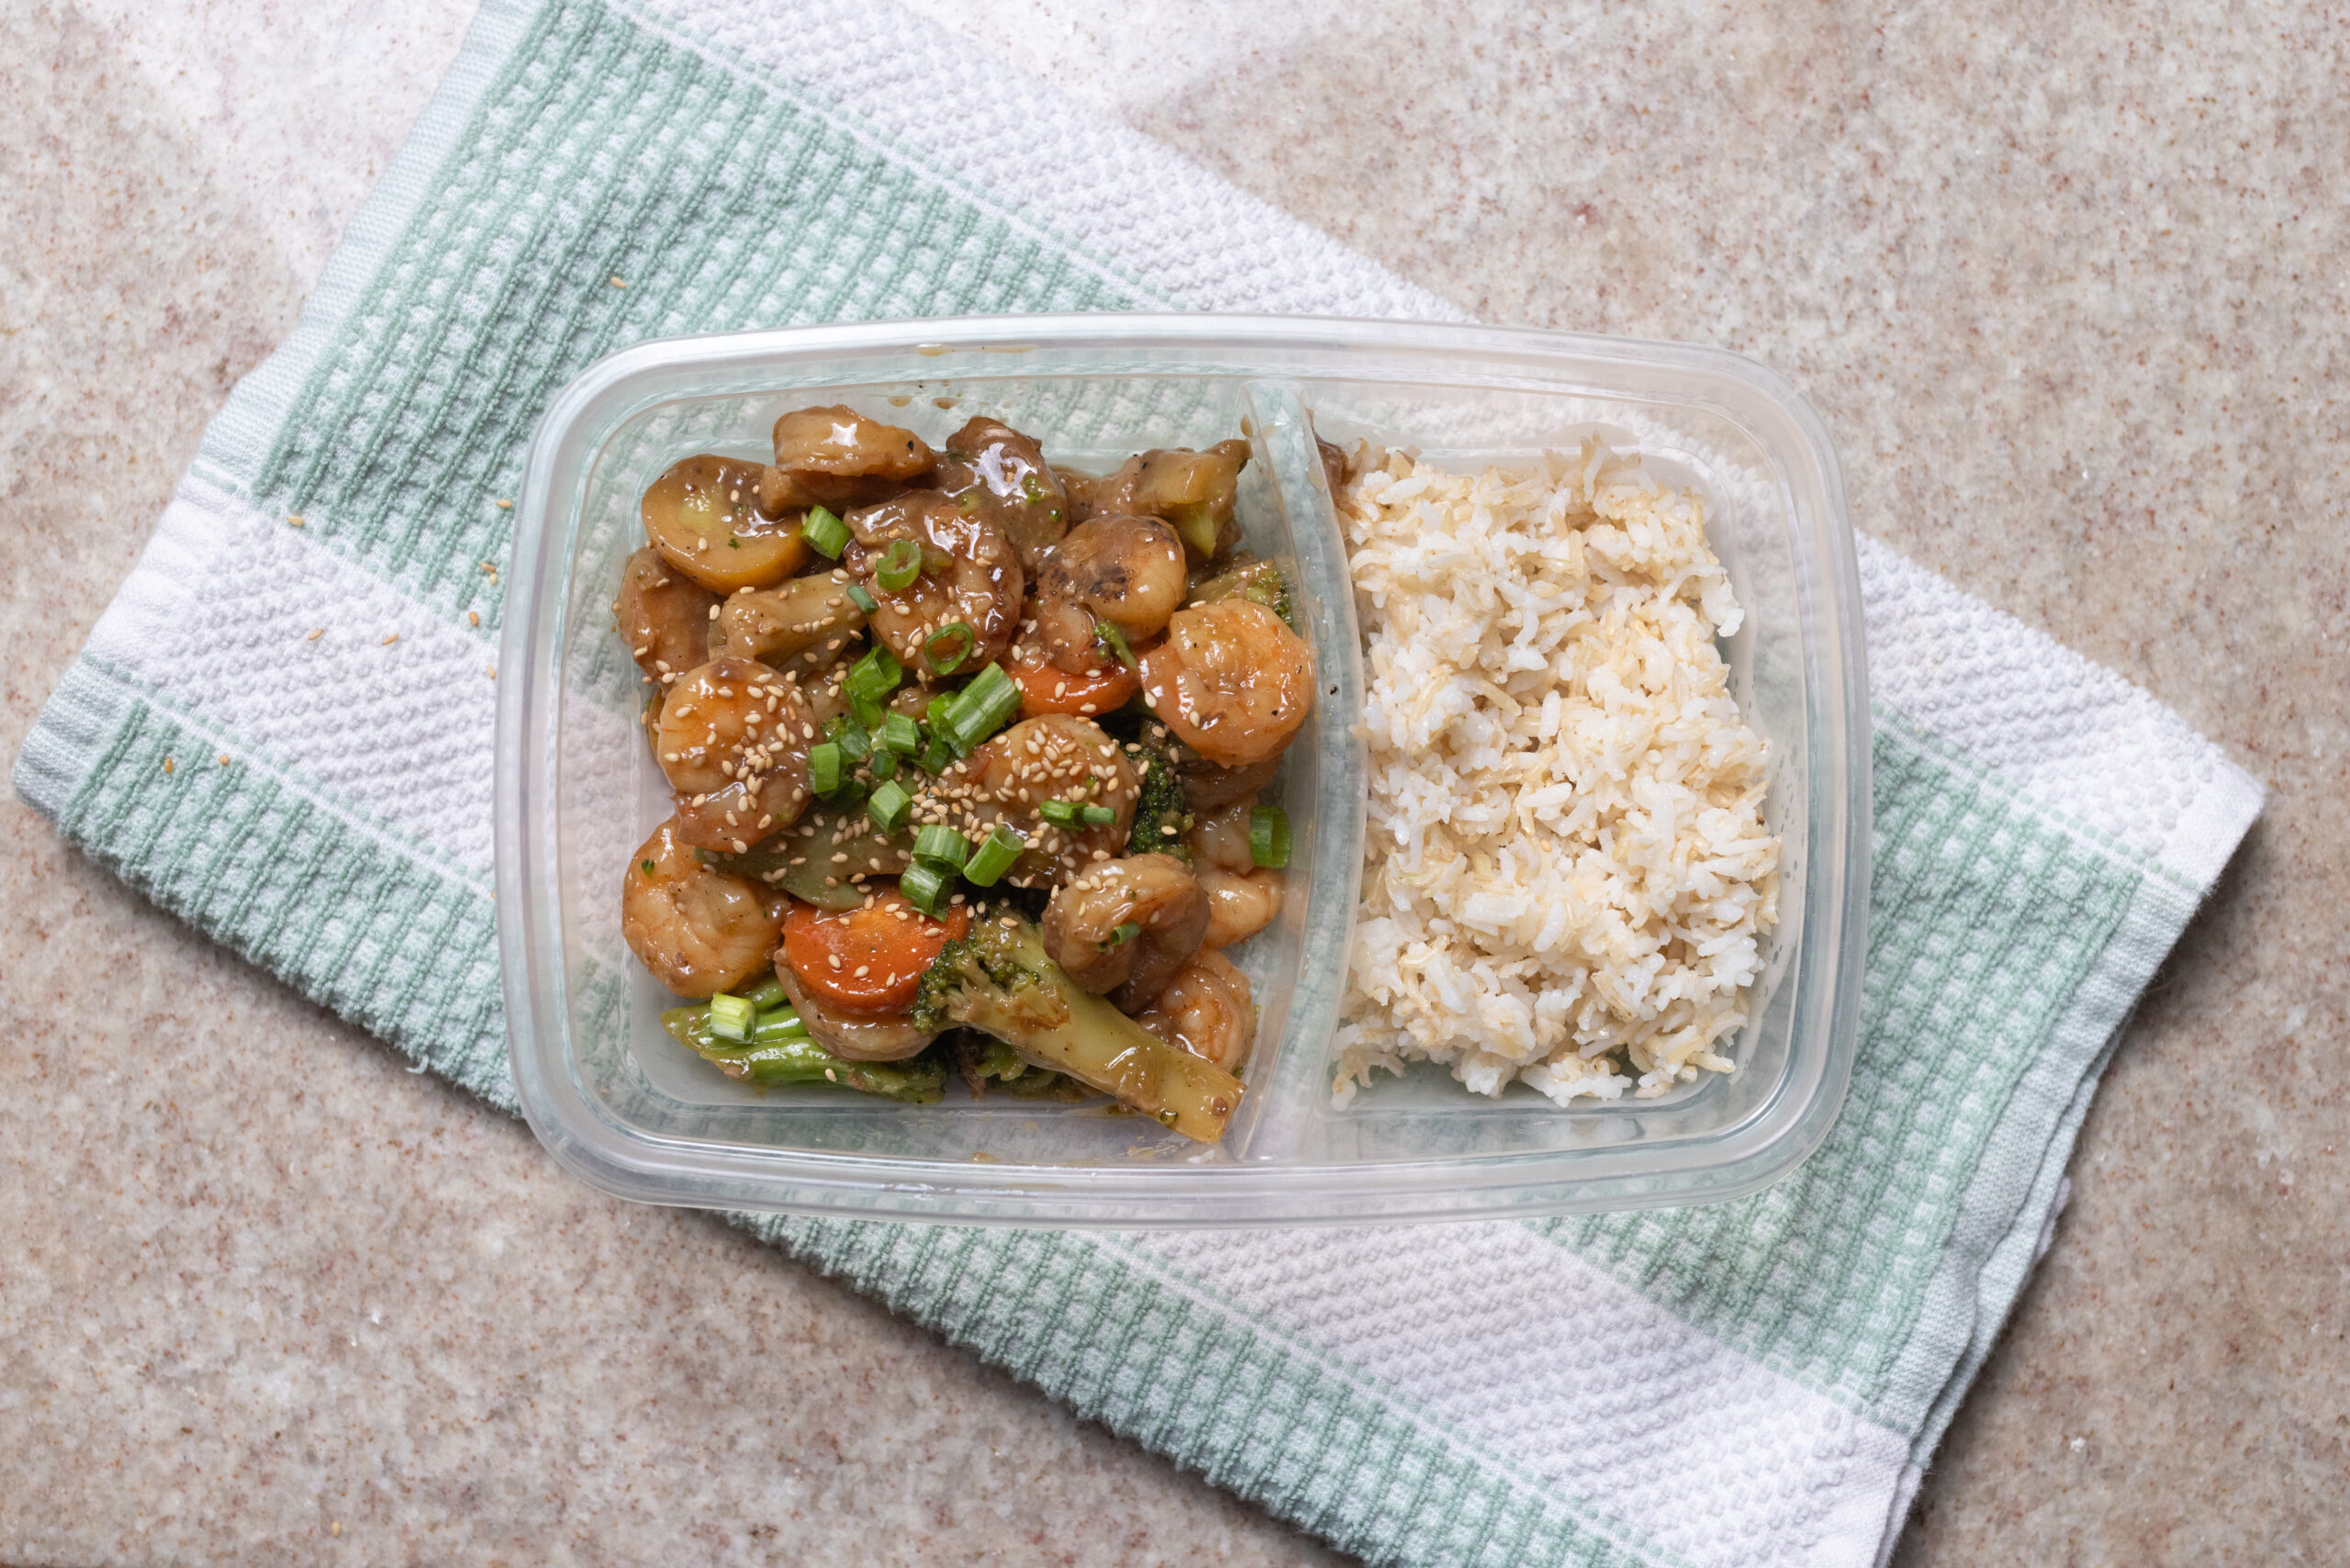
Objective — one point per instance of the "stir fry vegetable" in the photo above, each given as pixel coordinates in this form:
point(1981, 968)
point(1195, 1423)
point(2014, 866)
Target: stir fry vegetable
point(966, 752)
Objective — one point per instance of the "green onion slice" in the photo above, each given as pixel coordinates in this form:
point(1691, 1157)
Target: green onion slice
point(1060, 813)
point(947, 647)
point(982, 709)
point(942, 844)
point(925, 885)
point(900, 565)
point(1268, 836)
point(1115, 640)
point(825, 533)
point(935, 759)
point(851, 737)
point(1097, 816)
point(890, 805)
point(901, 735)
point(875, 675)
point(882, 765)
point(824, 766)
point(731, 1017)
point(862, 599)
point(1121, 935)
point(993, 857)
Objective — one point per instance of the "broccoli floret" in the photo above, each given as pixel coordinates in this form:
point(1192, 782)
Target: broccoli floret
point(1258, 582)
point(1159, 807)
point(1000, 981)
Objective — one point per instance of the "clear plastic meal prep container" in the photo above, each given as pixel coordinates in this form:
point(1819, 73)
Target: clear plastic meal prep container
point(628, 1110)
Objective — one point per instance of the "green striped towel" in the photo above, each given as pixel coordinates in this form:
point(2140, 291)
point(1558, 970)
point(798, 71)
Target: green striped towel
point(1755, 1382)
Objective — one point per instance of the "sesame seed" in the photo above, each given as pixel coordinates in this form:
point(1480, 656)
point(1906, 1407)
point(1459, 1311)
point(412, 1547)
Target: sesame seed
point(294, 522)
point(316, 635)
point(390, 640)
point(168, 765)
point(224, 759)
point(504, 505)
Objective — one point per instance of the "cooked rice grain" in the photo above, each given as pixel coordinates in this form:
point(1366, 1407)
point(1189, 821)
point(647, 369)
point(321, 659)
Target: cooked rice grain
point(1566, 876)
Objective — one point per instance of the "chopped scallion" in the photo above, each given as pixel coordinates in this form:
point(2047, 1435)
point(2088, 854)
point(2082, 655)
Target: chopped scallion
point(901, 735)
point(993, 857)
point(731, 1017)
point(1097, 816)
point(870, 683)
point(982, 709)
point(947, 647)
point(1060, 813)
point(924, 886)
point(1121, 935)
point(825, 533)
point(851, 737)
point(1115, 640)
point(900, 565)
point(942, 844)
point(890, 804)
point(882, 765)
point(1268, 836)
point(862, 599)
point(824, 766)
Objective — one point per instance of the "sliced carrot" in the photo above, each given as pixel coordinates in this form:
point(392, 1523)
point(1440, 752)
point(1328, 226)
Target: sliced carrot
point(1046, 687)
point(870, 959)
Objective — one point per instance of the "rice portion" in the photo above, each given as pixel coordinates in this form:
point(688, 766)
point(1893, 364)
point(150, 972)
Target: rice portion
point(1566, 875)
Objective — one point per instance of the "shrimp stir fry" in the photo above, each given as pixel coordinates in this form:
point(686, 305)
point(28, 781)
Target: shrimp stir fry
point(963, 746)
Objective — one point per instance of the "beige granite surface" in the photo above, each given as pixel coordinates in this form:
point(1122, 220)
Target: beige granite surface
point(2072, 289)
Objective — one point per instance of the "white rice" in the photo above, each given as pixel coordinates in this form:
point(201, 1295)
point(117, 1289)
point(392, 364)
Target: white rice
point(1566, 876)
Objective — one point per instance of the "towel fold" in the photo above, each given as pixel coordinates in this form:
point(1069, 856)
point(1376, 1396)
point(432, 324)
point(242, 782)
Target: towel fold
point(1754, 1382)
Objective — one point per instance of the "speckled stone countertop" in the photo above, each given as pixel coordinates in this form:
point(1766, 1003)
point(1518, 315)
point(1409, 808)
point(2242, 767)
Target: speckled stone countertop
point(2069, 286)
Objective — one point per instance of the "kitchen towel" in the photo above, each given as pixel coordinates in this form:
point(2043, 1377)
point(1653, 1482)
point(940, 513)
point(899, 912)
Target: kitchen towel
point(1759, 1381)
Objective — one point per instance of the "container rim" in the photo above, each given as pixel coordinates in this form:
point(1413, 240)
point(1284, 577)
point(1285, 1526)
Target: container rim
point(1764, 1145)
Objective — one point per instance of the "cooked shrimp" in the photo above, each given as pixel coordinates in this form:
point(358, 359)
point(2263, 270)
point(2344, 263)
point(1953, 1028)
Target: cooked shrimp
point(1207, 1010)
point(1053, 756)
point(1192, 490)
point(1126, 925)
point(697, 929)
point(702, 516)
point(1125, 572)
point(1231, 682)
point(1243, 897)
point(969, 578)
point(845, 1034)
point(836, 457)
point(1220, 838)
point(1240, 904)
point(734, 742)
point(798, 625)
point(843, 442)
point(663, 616)
point(1208, 788)
point(996, 473)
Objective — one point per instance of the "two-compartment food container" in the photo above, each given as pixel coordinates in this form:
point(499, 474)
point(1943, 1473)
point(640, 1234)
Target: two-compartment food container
point(627, 1109)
